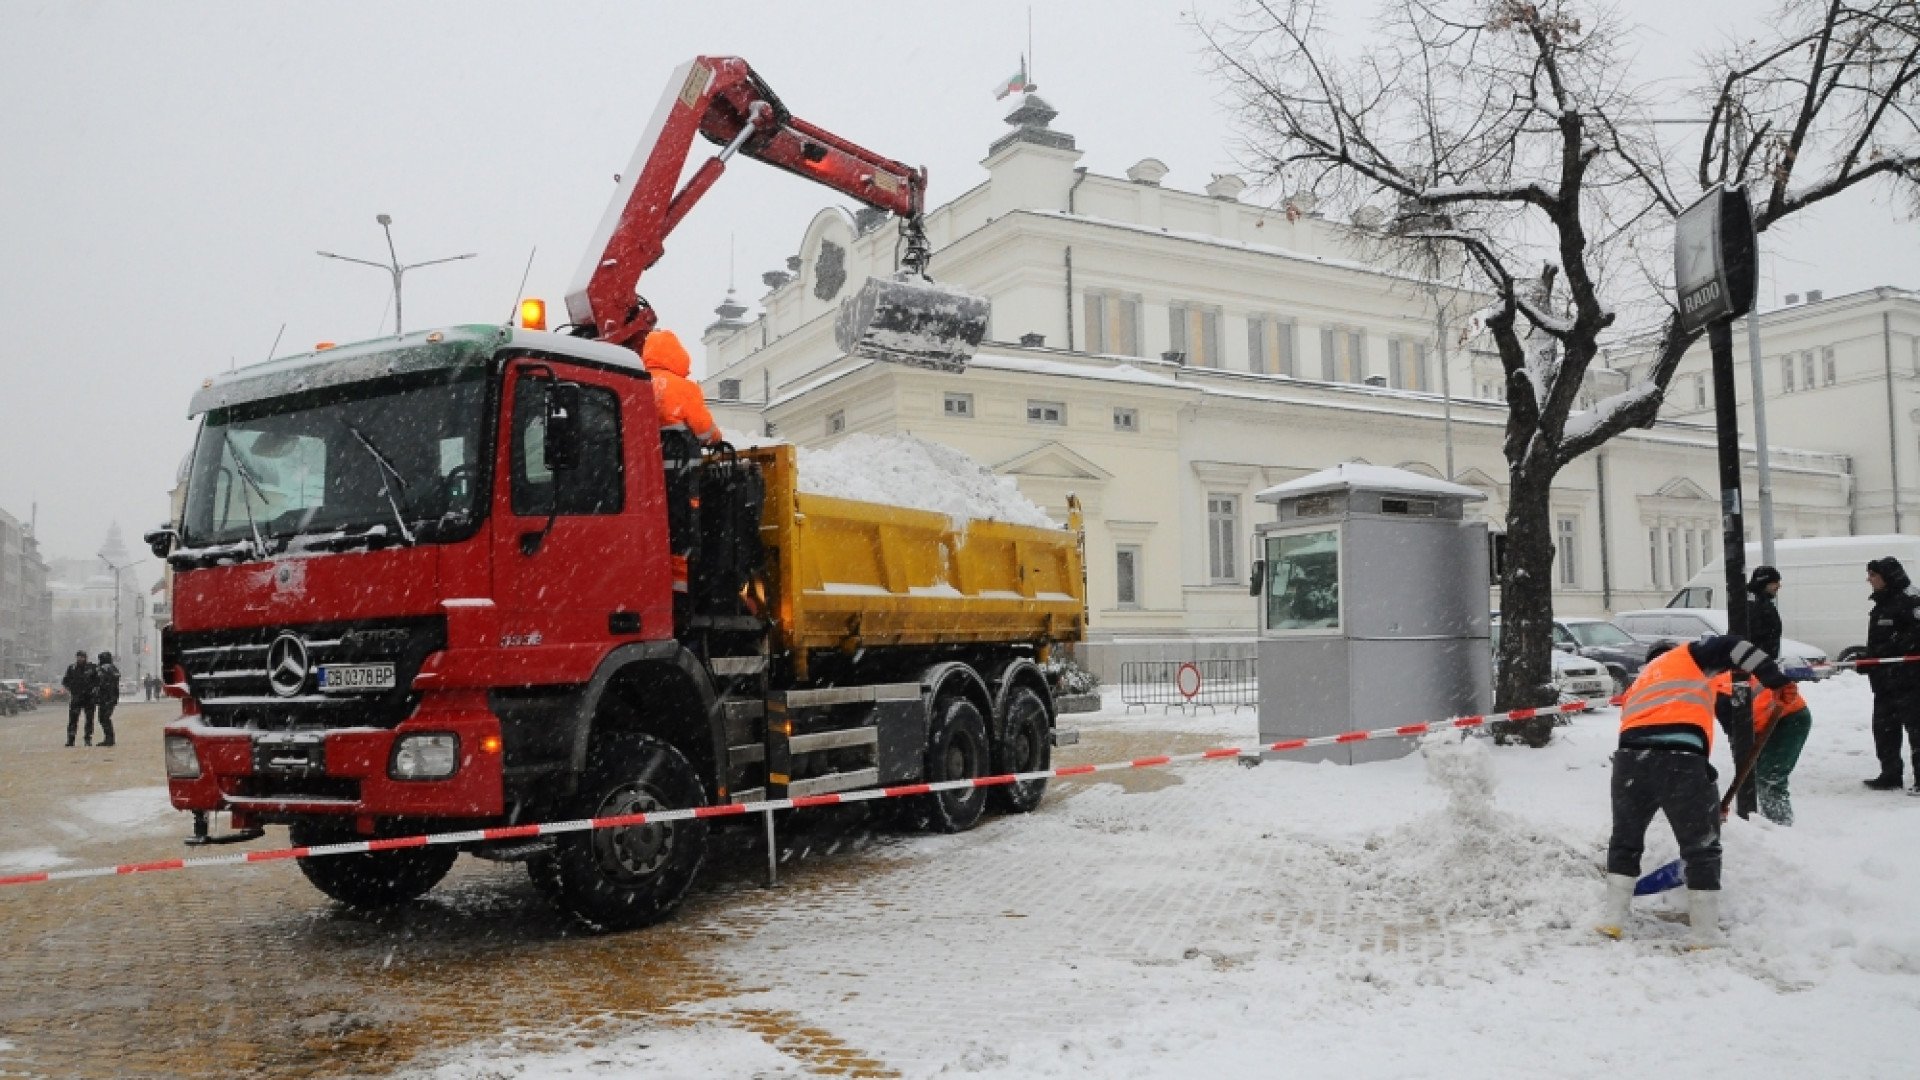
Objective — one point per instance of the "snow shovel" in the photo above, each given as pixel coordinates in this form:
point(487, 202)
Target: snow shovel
point(910, 320)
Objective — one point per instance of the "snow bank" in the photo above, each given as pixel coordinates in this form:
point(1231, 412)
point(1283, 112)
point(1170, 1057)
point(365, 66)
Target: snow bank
point(905, 471)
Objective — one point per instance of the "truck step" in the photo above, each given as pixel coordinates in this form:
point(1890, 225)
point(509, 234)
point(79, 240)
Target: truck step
point(848, 695)
point(749, 795)
point(833, 740)
point(734, 666)
point(747, 754)
point(840, 781)
point(743, 710)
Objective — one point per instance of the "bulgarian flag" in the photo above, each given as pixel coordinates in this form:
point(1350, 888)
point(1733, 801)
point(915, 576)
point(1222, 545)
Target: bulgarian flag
point(1016, 85)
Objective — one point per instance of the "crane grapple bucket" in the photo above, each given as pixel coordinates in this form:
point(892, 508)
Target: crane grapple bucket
point(910, 320)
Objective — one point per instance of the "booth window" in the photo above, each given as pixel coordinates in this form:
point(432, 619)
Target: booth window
point(1303, 581)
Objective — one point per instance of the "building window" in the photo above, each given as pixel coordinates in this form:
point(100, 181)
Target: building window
point(729, 389)
point(1692, 550)
point(1195, 332)
point(1342, 354)
point(1706, 547)
point(1126, 420)
point(1046, 412)
point(1407, 364)
point(1806, 369)
point(1126, 576)
point(1786, 374)
point(1113, 324)
point(1567, 547)
point(1828, 367)
point(1653, 557)
point(1270, 346)
point(1223, 536)
point(1676, 538)
point(958, 406)
point(1700, 391)
point(836, 421)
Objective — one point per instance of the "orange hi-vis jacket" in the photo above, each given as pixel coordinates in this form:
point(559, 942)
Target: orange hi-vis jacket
point(1768, 705)
point(678, 397)
point(1672, 696)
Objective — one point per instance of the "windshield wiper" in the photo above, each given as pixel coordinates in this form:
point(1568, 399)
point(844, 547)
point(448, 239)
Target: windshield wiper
point(240, 466)
point(386, 488)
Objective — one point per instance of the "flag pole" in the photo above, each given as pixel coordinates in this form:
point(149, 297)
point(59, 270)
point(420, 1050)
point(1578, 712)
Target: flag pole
point(1029, 64)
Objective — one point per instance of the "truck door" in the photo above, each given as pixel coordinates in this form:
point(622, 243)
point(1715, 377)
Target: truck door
point(579, 544)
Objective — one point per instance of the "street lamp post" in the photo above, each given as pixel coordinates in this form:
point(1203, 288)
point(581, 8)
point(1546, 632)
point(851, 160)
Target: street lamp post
point(117, 590)
point(393, 266)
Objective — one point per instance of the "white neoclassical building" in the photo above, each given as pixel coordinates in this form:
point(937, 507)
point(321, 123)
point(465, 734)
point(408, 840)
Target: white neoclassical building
point(1166, 354)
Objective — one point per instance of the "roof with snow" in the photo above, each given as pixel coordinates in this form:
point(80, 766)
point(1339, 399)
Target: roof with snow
point(1351, 475)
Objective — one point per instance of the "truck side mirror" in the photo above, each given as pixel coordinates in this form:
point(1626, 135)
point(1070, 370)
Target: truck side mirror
point(562, 436)
point(161, 540)
point(1259, 577)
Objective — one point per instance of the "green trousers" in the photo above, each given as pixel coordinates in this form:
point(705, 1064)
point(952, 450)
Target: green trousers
point(1777, 760)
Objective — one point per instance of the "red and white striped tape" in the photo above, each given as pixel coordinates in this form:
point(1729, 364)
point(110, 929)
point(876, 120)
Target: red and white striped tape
point(522, 832)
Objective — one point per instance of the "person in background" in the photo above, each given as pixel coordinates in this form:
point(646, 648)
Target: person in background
point(1763, 613)
point(1893, 629)
point(80, 683)
point(146, 684)
point(1663, 766)
point(1781, 718)
point(107, 695)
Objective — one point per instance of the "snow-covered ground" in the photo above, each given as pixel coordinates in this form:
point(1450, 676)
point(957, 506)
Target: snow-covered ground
point(1429, 916)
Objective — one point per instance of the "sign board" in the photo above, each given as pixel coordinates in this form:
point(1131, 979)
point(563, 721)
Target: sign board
point(1714, 259)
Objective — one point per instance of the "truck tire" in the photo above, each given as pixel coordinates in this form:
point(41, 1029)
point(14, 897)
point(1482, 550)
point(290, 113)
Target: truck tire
point(1026, 745)
point(374, 879)
point(956, 749)
point(625, 878)
point(543, 870)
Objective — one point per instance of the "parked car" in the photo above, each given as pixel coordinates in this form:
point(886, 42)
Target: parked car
point(1574, 676)
point(1654, 625)
point(1622, 654)
point(15, 697)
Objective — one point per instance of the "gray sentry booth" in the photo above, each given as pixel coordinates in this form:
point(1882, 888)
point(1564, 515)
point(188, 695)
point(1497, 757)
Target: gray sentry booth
point(1373, 596)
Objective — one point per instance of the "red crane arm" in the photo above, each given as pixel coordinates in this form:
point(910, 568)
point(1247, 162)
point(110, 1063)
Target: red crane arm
point(721, 98)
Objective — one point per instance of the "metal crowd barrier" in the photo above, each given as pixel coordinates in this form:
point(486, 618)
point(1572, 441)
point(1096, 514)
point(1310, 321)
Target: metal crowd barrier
point(1190, 684)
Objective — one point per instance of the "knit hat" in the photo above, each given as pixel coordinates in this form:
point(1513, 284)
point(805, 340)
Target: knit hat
point(1762, 577)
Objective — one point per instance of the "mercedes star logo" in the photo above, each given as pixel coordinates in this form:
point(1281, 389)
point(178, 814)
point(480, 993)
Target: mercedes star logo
point(287, 665)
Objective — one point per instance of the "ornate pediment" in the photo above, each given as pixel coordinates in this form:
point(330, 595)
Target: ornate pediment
point(1682, 488)
point(1053, 460)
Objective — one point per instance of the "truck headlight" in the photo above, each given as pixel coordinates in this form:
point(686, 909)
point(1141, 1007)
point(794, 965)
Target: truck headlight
point(182, 762)
point(425, 757)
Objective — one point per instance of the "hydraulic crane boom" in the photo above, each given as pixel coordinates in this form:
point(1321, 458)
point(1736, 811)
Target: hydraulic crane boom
point(907, 319)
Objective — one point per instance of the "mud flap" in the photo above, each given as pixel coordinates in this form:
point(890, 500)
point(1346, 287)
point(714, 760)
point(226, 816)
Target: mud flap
point(910, 320)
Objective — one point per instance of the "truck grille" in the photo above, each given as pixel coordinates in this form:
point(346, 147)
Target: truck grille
point(227, 671)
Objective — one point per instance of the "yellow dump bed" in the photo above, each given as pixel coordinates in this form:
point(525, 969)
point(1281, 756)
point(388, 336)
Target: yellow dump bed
point(848, 574)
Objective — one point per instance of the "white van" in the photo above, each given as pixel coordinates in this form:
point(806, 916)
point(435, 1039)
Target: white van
point(1823, 592)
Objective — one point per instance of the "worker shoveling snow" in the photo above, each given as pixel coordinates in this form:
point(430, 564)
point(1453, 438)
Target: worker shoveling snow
point(905, 471)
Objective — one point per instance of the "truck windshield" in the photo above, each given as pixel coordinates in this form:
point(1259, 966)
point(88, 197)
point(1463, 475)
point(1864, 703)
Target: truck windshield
point(386, 461)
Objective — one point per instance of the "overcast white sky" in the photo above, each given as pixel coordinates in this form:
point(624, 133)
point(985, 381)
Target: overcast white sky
point(172, 168)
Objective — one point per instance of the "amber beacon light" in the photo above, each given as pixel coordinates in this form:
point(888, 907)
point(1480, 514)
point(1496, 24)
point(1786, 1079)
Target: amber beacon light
point(533, 314)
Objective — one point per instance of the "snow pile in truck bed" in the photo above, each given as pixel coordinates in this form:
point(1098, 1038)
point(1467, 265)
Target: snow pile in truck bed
point(901, 470)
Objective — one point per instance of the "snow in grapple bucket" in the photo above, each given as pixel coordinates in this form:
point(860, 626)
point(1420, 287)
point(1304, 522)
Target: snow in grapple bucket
point(911, 320)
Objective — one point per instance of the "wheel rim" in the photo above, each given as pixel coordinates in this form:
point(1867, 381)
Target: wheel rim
point(633, 852)
point(961, 754)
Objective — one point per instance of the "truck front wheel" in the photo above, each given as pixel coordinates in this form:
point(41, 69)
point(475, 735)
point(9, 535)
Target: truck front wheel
point(1026, 746)
point(374, 879)
point(623, 878)
point(956, 750)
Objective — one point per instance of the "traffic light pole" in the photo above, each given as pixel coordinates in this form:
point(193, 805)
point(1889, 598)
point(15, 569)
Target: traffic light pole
point(1734, 543)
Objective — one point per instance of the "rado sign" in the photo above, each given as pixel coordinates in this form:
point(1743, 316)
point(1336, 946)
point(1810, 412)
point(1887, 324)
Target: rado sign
point(1713, 259)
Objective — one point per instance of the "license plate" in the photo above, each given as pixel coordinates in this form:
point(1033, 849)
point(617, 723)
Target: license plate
point(335, 678)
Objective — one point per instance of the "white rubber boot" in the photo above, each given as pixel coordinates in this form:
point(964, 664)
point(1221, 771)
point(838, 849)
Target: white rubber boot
point(1703, 917)
point(1613, 917)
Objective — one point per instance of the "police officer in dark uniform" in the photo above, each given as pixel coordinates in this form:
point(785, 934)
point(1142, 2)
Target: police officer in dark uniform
point(1893, 629)
point(81, 685)
point(107, 695)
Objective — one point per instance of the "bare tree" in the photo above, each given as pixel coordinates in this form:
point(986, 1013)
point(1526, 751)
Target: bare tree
point(1509, 132)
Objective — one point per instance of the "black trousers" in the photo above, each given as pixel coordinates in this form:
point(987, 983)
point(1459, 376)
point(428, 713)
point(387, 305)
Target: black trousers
point(1892, 714)
point(1680, 784)
point(106, 720)
point(74, 709)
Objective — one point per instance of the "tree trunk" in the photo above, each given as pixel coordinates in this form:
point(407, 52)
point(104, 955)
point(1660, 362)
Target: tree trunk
point(1526, 608)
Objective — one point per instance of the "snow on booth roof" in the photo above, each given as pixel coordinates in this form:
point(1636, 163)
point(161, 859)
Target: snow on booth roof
point(1352, 474)
point(901, 470)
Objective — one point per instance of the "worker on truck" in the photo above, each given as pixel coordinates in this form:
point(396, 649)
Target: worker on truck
point(680, 401)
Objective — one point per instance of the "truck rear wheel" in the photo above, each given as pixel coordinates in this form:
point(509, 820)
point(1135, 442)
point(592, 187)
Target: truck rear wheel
point(1025, 746)
point(374, 879)
point(623, 878)
point(956, 749)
